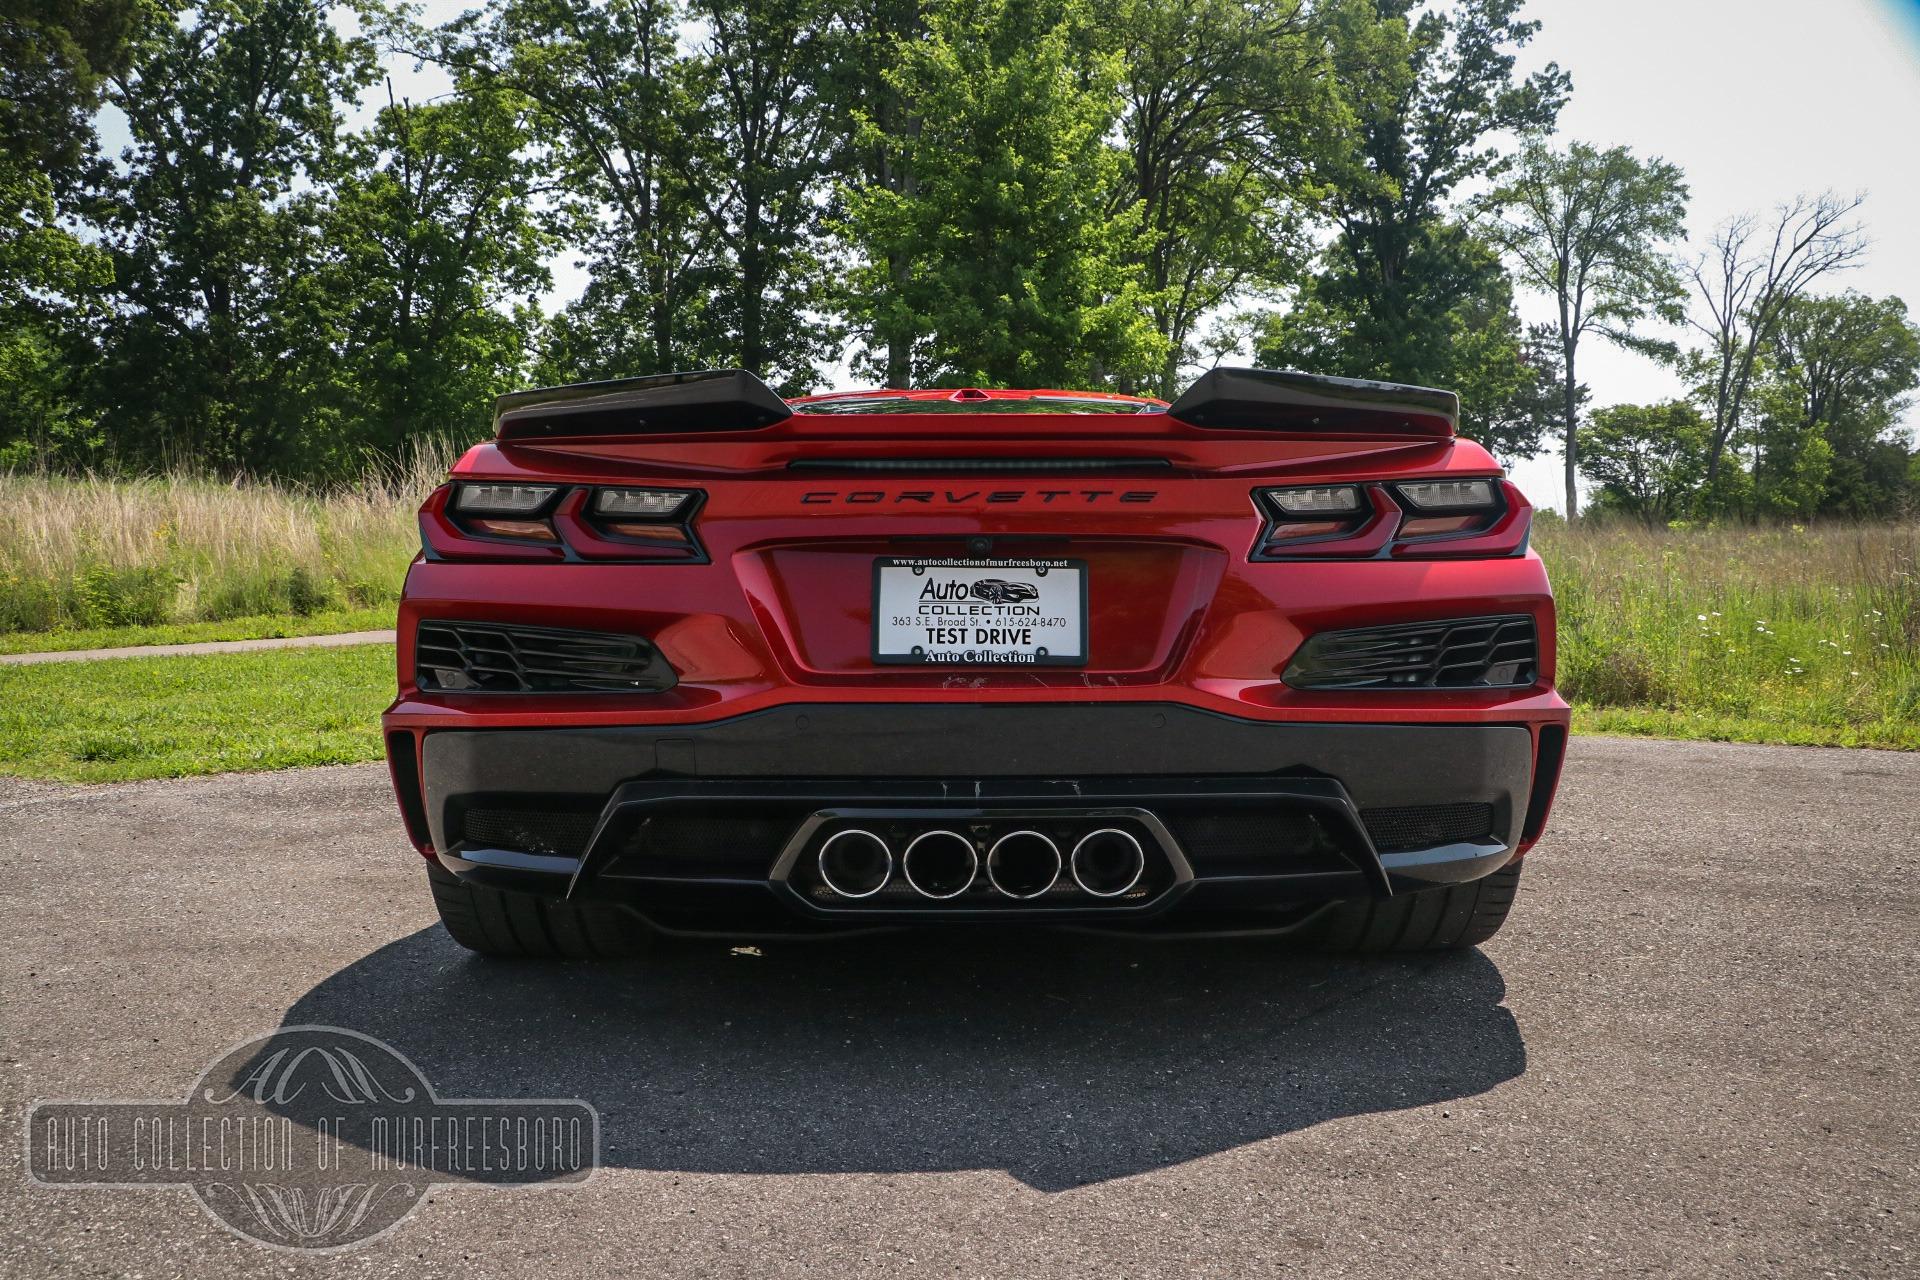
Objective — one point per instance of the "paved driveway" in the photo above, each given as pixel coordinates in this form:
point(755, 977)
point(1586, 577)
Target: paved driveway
point(1693, 1052)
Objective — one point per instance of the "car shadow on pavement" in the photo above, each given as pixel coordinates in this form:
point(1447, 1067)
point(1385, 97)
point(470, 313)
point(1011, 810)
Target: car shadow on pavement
point(1062, 1059)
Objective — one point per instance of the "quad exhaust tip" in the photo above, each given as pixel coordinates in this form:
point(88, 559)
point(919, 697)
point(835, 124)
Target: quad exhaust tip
point(940, 863)
point(855, 863)
point(1023, 864)
point(1108, 862)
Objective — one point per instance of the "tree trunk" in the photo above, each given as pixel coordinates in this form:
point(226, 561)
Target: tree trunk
point(1571, 409)
point(755, 266)
point(899, 345)
point(1570, 412)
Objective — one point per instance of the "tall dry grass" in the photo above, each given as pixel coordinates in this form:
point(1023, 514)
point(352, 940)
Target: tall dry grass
point(1815, 626)
point(95, 552)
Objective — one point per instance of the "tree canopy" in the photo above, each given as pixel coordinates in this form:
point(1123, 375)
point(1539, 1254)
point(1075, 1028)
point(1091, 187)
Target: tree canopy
point(283, 266)
point(1588, 228)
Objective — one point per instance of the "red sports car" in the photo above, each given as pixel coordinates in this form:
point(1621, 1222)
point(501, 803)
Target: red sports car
point(680, 657)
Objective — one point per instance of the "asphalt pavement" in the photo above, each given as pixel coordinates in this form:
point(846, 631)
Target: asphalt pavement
point(1693, 1052)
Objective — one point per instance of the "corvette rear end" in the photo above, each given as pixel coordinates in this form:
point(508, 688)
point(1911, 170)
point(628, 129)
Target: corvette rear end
point(680, 657)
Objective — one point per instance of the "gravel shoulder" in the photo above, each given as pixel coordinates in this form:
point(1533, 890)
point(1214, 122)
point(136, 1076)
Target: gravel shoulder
point(337, 641)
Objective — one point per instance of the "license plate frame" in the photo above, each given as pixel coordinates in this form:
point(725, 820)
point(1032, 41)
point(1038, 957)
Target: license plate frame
point(1029, 571)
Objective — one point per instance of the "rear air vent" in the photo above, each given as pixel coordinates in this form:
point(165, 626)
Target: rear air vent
point(742, 844)
point(559, 832)
point(477, 657)
point(1467, 653)
point(1427, 826)
point(978, 466)
point(1259, 842)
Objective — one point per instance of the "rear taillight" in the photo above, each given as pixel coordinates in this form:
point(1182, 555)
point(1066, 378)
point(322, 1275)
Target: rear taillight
point(511, 511)
point(1425, 519)
point(489, 521)
point(1446, 508)
point(502, 499)
point(1449, 495)
point(657, 516)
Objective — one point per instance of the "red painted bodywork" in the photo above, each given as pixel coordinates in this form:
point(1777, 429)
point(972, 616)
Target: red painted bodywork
point(779, 614)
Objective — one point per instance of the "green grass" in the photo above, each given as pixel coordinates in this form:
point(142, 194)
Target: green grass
point(1700, 726)
point(1778, 634)
point(258, 627)
point(124, 718)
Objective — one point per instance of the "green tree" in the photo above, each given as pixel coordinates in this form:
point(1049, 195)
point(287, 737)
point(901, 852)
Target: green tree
point(433, 237)
point(54, 58)
point(873, 121)
point(622, 119)
point(217, 350)
point(1460, 332)
point(1586, 228)
point(1223, 101)
point(44, 269)
point(1836, 377)
point(1017, 271)
point(1426, 97)
point(775, 132)
point(1404, 292)
point(1648, 460)
point(1750, 273)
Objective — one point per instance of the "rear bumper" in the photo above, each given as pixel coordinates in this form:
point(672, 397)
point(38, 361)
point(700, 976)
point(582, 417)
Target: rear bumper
point(1241, 817)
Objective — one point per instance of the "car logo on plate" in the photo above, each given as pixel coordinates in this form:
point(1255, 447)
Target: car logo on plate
point(1000, 591)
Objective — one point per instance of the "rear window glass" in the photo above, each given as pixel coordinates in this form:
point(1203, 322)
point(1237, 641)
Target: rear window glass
point(1025, 404)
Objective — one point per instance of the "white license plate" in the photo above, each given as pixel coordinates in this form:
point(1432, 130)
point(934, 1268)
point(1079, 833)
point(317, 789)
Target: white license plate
point(980, 613)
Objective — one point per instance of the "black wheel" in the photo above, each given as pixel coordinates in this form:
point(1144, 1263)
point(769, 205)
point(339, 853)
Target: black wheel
point(495, 922)
point(1461, 915)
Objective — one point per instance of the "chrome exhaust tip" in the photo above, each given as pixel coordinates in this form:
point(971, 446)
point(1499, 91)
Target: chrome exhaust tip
point(855, 863)
point(940, 863)
point(1023, 864)
point(1108, 862)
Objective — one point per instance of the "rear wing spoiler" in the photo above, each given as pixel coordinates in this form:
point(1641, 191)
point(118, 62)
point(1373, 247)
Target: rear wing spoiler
point(709, 400)
point(1282, 400)
point(1271, 400)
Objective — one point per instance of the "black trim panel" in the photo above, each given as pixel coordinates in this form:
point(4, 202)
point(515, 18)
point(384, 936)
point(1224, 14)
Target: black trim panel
point(656, 404)
point(1287, 401)
point(960, 743)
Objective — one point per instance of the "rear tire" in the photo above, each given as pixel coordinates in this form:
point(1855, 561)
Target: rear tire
point(1460, 915)
point(495, 922)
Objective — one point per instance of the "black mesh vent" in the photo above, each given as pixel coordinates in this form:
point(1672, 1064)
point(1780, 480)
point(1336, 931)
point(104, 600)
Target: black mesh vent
point(1468, 653)
point(1427, 826)
point(673, 843)
point(561, 832)
point(1269, 842)
point(477, 657)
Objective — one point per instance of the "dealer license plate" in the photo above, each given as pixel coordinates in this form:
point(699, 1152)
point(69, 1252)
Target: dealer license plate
point(980, 613)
